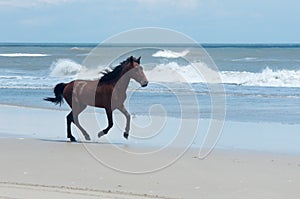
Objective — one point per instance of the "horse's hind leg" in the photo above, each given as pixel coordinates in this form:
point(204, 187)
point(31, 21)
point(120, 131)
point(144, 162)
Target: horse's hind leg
point(69, 122)
point(77, 109)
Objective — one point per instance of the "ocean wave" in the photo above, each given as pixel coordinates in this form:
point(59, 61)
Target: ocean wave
point(75, 48)
point(65, 67)
point(25, 82)
point(244, 59)
point(23, 55)
point(71, 69)
point(256, 59)
point(66, 70)
point(80, 49)
point(170, 54)
point(173, 72)
point(268, 77)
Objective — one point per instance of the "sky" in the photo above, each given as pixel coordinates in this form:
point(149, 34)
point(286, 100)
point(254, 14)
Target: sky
point(206, 21)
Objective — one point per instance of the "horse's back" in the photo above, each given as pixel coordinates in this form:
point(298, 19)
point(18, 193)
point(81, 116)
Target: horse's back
point(88, 92)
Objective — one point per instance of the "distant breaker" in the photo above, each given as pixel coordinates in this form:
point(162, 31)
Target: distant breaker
point(23, 55)
point(170, 54)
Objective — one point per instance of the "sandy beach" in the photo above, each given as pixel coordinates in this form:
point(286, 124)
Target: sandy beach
point(34, 166)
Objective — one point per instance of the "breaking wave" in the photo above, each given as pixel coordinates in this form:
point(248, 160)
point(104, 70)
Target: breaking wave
point(66, 67)
point(172, 72)
point(268, 77)
point(67, 70)
point(170, 54)
point(71, 69)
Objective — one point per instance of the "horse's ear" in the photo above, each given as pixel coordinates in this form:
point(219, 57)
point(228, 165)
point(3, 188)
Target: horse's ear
point(138, 60)
point(131, 59)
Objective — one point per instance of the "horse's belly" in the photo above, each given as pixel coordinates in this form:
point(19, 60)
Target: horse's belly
point(85, 92)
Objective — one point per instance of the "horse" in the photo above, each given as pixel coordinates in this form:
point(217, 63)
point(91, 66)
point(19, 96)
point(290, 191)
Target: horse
point(108, 92)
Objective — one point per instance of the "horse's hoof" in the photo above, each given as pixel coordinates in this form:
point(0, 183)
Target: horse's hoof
point(72, 139)
point(87, 137)
point(126, 135)
point(100, 134)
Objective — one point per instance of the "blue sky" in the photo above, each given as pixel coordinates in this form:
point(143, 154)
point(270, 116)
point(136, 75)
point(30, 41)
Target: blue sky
point(206, 21)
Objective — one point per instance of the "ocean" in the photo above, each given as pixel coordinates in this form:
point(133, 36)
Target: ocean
point(261, 81)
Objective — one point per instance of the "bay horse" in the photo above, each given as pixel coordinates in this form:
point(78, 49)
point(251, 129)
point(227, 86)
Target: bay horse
point(108, 92)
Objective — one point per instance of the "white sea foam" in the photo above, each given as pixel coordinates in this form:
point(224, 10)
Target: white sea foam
point(23, 55)
point(170, 54)
point(75, 48)
point(66, 67)
point(268, 77)
point(71, 69)
point(78, 49)
point(172, 72)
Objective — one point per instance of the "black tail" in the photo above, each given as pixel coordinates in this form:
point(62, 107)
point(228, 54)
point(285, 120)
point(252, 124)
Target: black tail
point(58, 91)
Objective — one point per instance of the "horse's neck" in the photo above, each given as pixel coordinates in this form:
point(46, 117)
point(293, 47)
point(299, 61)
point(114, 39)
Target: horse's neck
point(121, 84)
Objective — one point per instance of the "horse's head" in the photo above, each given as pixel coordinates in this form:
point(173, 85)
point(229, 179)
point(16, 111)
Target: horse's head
point(136, 72)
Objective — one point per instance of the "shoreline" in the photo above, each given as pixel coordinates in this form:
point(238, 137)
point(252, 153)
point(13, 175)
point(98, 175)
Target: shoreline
point(45, 123)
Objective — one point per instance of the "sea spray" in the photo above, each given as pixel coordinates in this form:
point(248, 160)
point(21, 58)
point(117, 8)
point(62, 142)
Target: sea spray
point(65, 67)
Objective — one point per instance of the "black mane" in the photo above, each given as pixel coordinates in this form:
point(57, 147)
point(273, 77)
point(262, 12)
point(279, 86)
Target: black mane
point(116, 71)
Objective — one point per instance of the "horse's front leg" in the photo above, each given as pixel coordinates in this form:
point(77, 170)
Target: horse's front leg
point(127, 115)
point(110, 123)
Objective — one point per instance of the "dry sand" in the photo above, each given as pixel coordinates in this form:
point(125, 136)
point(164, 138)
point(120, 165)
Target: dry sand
point(45, 169)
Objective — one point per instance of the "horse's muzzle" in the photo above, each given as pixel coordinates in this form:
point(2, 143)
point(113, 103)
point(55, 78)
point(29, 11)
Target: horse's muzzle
point(144, 83)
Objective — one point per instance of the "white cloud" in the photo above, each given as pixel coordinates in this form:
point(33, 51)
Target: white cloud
point(31, 3)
